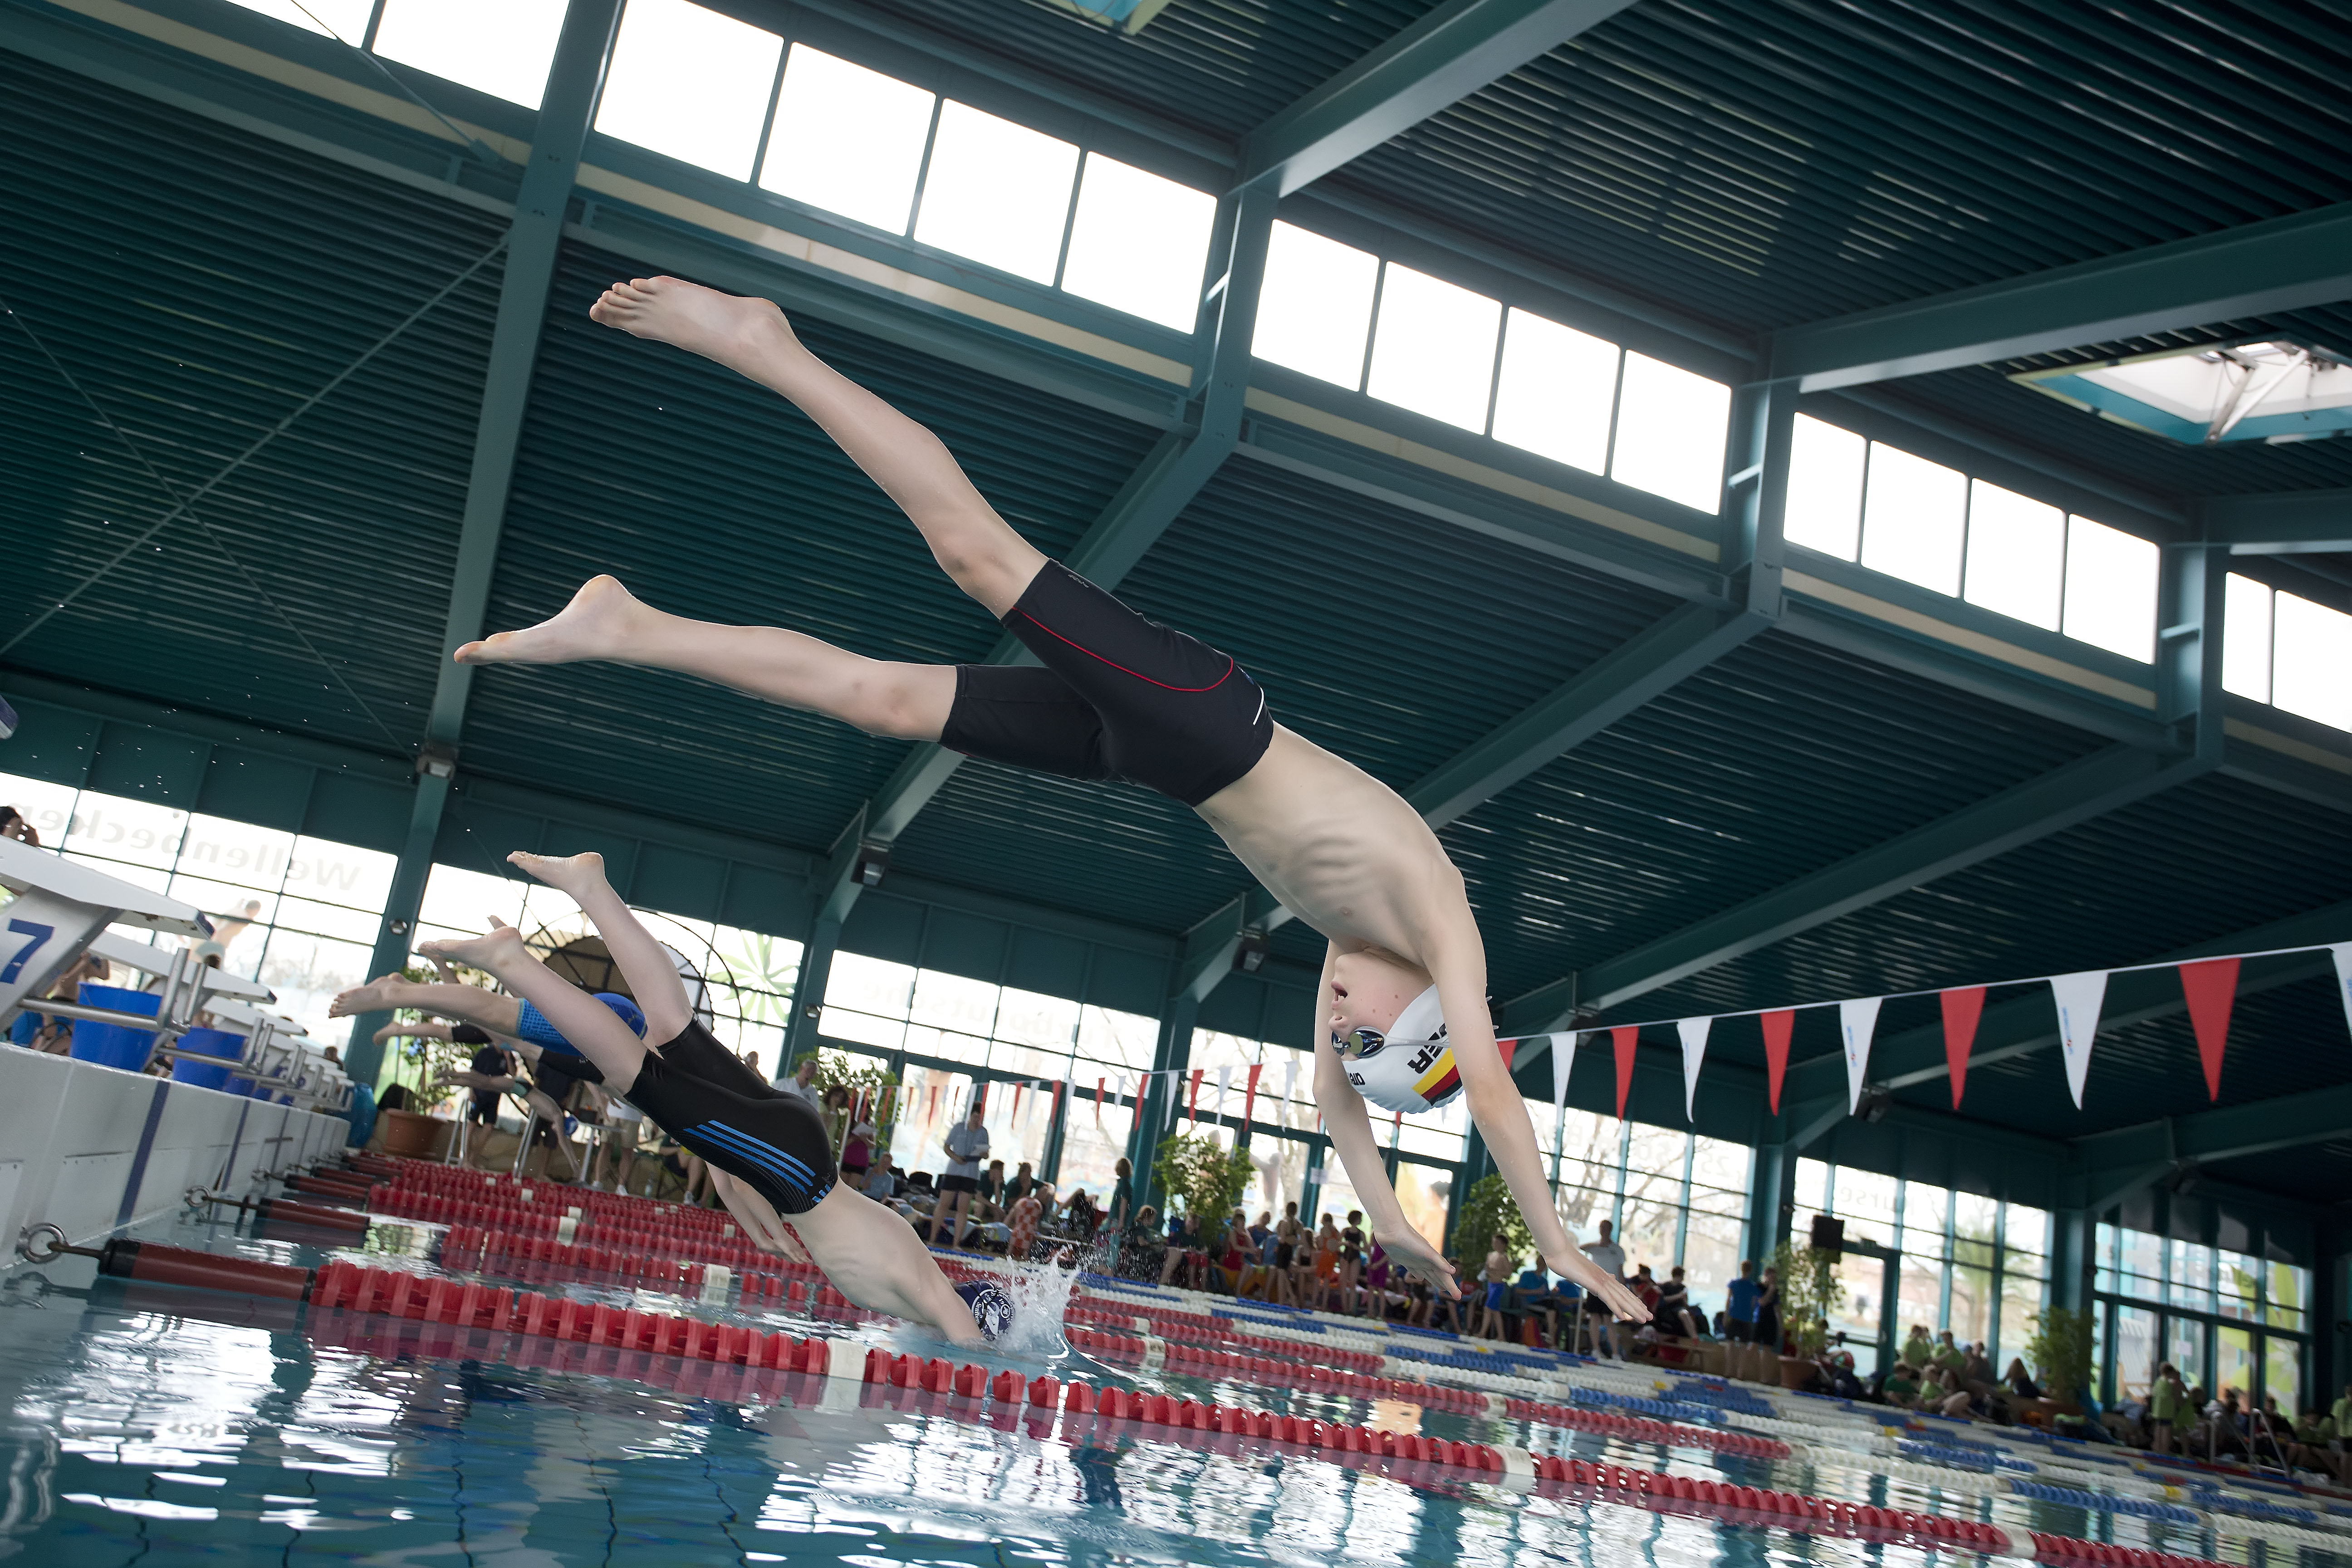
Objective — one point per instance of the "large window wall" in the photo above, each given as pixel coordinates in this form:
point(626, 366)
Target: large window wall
point(1674, 1197)
point(299, 914)
point(2227, 1320)
point(1974, 1265)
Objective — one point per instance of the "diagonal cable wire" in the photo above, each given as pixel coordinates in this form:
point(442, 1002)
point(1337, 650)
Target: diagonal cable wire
point(479, 149)
point(235, 463)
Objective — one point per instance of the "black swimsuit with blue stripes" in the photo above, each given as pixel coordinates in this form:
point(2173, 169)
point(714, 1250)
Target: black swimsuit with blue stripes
point(772, 1141)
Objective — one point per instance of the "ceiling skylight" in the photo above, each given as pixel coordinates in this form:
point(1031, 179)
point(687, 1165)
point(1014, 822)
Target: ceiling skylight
point(503, 49)
point(2312, 651)
point(1913, 515)
point(1140, 243)
point(847, 140)
point(1671, 429)
point(1434, 351)
point(1557, 391)
point(2273, 391)
point(2111, 589)
point(997, 192)
point(1824, 505)
point(2017, 555)
point(691, 83)
point(1314, 310)
point(2246, 639)
point(345, 19)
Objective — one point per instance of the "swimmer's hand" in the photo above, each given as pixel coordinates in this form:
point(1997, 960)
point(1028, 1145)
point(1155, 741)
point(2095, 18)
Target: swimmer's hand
point(1612, 1292)
point(1417, 1256)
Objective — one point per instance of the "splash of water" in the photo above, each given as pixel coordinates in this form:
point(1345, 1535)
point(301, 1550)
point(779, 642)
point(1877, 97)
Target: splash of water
point(1041, 1295)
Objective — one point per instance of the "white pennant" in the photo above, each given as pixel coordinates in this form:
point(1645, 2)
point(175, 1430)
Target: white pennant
point(1857, 1020)
point(2343, 954)
point(1563, 1056)
point(1694, 1034)
point(1289, 1083)
point(1225, 1080)
point(2078, 997)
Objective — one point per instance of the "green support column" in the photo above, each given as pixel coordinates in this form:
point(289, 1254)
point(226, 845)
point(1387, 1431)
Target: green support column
point(363, 1057)
point(1771, 1201)
point(808, 995)
point(1173, 1053)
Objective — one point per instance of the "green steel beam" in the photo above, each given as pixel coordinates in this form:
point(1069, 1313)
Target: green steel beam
point(2261, 268)
point(574, 81)
point(2062, 798)
point(2222, 1132)
point(1449, 54)
point(2292, 522)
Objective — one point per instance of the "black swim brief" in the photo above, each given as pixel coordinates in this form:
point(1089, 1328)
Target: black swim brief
point(1120, 696)
point(773, 1143)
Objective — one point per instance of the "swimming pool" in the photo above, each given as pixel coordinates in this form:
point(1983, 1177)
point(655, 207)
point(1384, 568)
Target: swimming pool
point(157, 1426)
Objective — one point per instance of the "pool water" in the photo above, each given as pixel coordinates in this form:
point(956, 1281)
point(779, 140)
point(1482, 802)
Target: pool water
point(155, 1426)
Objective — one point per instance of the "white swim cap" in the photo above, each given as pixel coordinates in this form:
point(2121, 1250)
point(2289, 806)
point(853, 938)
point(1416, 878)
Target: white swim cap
point(1409, 1069)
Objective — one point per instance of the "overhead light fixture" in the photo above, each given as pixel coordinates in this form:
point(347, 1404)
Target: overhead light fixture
point(2184, 1178)
point(2272, 390)
point(873, 860)
point(1875, 1101)
point(1249, 955)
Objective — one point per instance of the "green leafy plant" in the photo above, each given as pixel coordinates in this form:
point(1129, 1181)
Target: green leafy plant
point(1808, 1289)
point(1203, 1175)
point(2058, 1350)
point(839, 1069)
point(1490, 1214)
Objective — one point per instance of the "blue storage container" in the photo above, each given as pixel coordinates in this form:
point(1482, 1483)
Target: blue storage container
point(112, 1045)
point(211, 1043)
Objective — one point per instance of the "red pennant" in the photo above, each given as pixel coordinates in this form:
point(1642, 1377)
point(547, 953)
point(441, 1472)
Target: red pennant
point(1016, 1100)
point(1777, 1025)
point(1623, 1037)
point(931, 1110)
point(2210, 986)
point(1508, 1049)
point(1249, 1100)
point(1962, 1007)
point(1099, 1099)
point(1194, 1104)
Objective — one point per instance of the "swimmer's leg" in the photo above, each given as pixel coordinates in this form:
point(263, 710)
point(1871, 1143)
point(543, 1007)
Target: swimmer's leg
point(973, 546)
point(874, 1258)
point(595, 1029)
point(468, 1004)
point(652, 978)
point(604, 621)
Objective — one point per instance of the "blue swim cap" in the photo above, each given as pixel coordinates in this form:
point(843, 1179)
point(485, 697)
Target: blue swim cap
point(626, 1010)
point(991, 1309)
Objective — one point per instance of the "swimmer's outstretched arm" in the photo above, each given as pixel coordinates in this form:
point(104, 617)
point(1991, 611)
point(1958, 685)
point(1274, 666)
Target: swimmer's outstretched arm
point(1350, 1131)
point(1457, 962)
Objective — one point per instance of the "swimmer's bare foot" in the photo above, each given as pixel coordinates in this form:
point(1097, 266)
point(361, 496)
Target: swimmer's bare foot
point(493, 954)
point(598, 623)
point(572, 874)
point(375, 996)
point(736, 332)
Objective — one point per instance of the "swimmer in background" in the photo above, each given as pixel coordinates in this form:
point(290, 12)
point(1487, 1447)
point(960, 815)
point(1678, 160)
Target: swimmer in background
point(1117, 696)
point(771, 1161)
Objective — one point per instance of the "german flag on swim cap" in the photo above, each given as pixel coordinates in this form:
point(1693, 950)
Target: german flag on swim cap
point(1410, 1069)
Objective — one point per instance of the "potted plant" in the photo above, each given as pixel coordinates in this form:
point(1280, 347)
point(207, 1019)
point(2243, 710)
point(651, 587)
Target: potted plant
point(2059, 1350)
point(1809, 1287)
point(1209, 1177)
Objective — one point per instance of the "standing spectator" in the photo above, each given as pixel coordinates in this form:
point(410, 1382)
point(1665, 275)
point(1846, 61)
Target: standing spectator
point(1767, 1323)
point(1119, 1201)
point(1610, 1258)
point(2164, 1408)
point(1739, 1305)
point(804, 1082)
point(966, 1146)
point(857, 1151)
point(1497, 1277)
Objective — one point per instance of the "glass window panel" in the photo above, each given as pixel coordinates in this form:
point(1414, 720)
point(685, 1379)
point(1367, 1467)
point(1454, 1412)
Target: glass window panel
point(2017, 555)
point(1975, 1228)
point(1140, 243)
point(1588, 1156)
point(1717, 1163)
point(1582, 1210)
point(1315, 308)
point(1031, 1018)
point(1812, 1184)
point(1648, 1235)
point(1866, 1200)
point(1123, 1039)
point(465, 901)
point(948, 1045)
point(502, 50)
point(997, 192)
point(1334, 1194)
point(873, 986)
point(1824, 503)
point(1281, 1171)
point(1028, 1061)
point(307, 972)
point(2021, 1298)
point(1860, 1308)
point(1924, 1212)
point(2136, 1354)
point(238, 854)
point(1421, 1192)
point(1972, 1305)
point(2233, 1360)
point(690, 83)
point(2111, 589)
point(1670, 429)
point(2027, 1229)
point(1436, 1134)
point(341, 874)
point(2282, 1372)
point(1913, 519)
point(1920, 1303)
point(1019, 1118)
point(2313, 650)
point(1434, 348)
point(919, 1137)
point(1558, 388)
point(2192, 1276)
point(1653, 1161)
point(328, 920)
point(2237, 1280)
point(147, 877)
point(2288, 1291)
point(2184, 1347)
point(847, 140)
point(2246, 639)
point(126, 831)
point(48, 806)
point(2141, 1256)
point(1711, 1258)
point(862, 1028)
point(1092, 1148)
point(343, 19)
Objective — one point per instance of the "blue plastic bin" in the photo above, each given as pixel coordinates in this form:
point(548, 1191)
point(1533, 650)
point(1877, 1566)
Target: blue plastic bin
point(211, 1043)
point(112, 1045)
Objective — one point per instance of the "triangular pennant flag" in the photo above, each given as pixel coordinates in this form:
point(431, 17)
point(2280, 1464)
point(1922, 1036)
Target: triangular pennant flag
point(1777, 1025)
point(2211, 988)
point(1963, 1005)
point(1249, 1100)
point(2343, 953)
point(1195, 1101)
point(1508, 1048)
point(2078, 997)
point(1098, 1099)
point(931, 1110)
point(1857, 1021)
point(1694, 1034)
point(1224, 1082)
point(1624, 1037)
point(1563, 1057)
point(1017, 1092)
point(1290, 1078)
